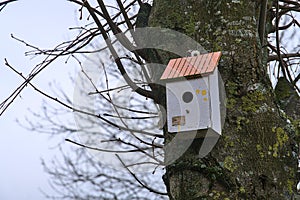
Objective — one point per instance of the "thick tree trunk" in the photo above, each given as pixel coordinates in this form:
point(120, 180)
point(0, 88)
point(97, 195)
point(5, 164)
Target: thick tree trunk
point(254, 157)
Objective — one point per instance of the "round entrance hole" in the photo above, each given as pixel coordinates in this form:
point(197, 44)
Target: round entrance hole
point(187, 97)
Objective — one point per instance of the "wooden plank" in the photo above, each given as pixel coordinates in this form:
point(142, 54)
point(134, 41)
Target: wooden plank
point(203, 64)
point(173, 68)
point(191, 70)
point(180, 68)
point(168, 69)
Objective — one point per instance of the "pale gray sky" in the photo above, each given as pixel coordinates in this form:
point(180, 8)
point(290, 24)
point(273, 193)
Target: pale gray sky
point(44, 24)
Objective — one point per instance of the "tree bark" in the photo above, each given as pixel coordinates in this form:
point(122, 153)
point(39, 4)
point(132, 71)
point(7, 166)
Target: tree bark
point(254, 158)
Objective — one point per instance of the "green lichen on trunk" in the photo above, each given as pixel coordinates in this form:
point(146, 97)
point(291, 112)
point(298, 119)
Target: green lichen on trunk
point(253, 159)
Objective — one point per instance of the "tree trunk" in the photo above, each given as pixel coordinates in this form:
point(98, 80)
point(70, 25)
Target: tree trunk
point(254, 157)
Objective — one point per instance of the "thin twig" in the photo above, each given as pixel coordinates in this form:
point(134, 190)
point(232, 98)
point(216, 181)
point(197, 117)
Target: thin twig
point(138, 180)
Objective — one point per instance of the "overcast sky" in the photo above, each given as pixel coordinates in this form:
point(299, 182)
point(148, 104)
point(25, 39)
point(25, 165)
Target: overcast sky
point(44, 24)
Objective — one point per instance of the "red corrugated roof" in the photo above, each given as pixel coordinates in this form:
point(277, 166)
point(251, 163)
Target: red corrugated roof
point(190, 66)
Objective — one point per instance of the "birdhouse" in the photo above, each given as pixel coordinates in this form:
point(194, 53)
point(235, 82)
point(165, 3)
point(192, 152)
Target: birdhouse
point(193, 96)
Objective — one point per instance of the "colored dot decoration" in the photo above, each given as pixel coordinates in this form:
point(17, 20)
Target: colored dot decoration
point(203, 93)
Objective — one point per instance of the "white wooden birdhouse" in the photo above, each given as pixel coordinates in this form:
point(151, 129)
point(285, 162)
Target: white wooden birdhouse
point(193, 100)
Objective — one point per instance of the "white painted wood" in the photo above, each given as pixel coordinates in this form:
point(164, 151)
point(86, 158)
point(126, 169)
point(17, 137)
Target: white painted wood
point(194, 104)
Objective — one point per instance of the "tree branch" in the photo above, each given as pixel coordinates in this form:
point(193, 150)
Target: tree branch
point(138, 180)
point(262, 20)
point(120, 66)
point(27, 82)
point(4, 3)
point(288, 55)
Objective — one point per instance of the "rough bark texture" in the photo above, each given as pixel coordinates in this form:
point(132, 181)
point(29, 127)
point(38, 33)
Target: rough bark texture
point(254, 157)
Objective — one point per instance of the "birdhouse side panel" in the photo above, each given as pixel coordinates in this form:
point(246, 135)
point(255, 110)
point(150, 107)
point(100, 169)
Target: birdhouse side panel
point(188, 103)
point(215, 101)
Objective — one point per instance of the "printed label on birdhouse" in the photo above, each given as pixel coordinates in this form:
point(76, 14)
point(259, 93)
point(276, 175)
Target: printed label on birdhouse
point(178, 120)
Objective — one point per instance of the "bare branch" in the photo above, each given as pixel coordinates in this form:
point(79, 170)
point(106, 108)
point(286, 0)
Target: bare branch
point(104, 150)
point(140, 182)
point(289, 55)
point(4, 3)
point(121, 68)
point(262, 20)
point(27, 81)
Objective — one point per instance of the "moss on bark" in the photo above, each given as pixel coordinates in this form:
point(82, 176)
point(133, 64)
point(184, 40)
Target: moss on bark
point(253, 159)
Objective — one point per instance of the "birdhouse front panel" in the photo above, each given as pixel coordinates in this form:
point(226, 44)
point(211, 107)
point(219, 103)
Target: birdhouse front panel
point(188, 105)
